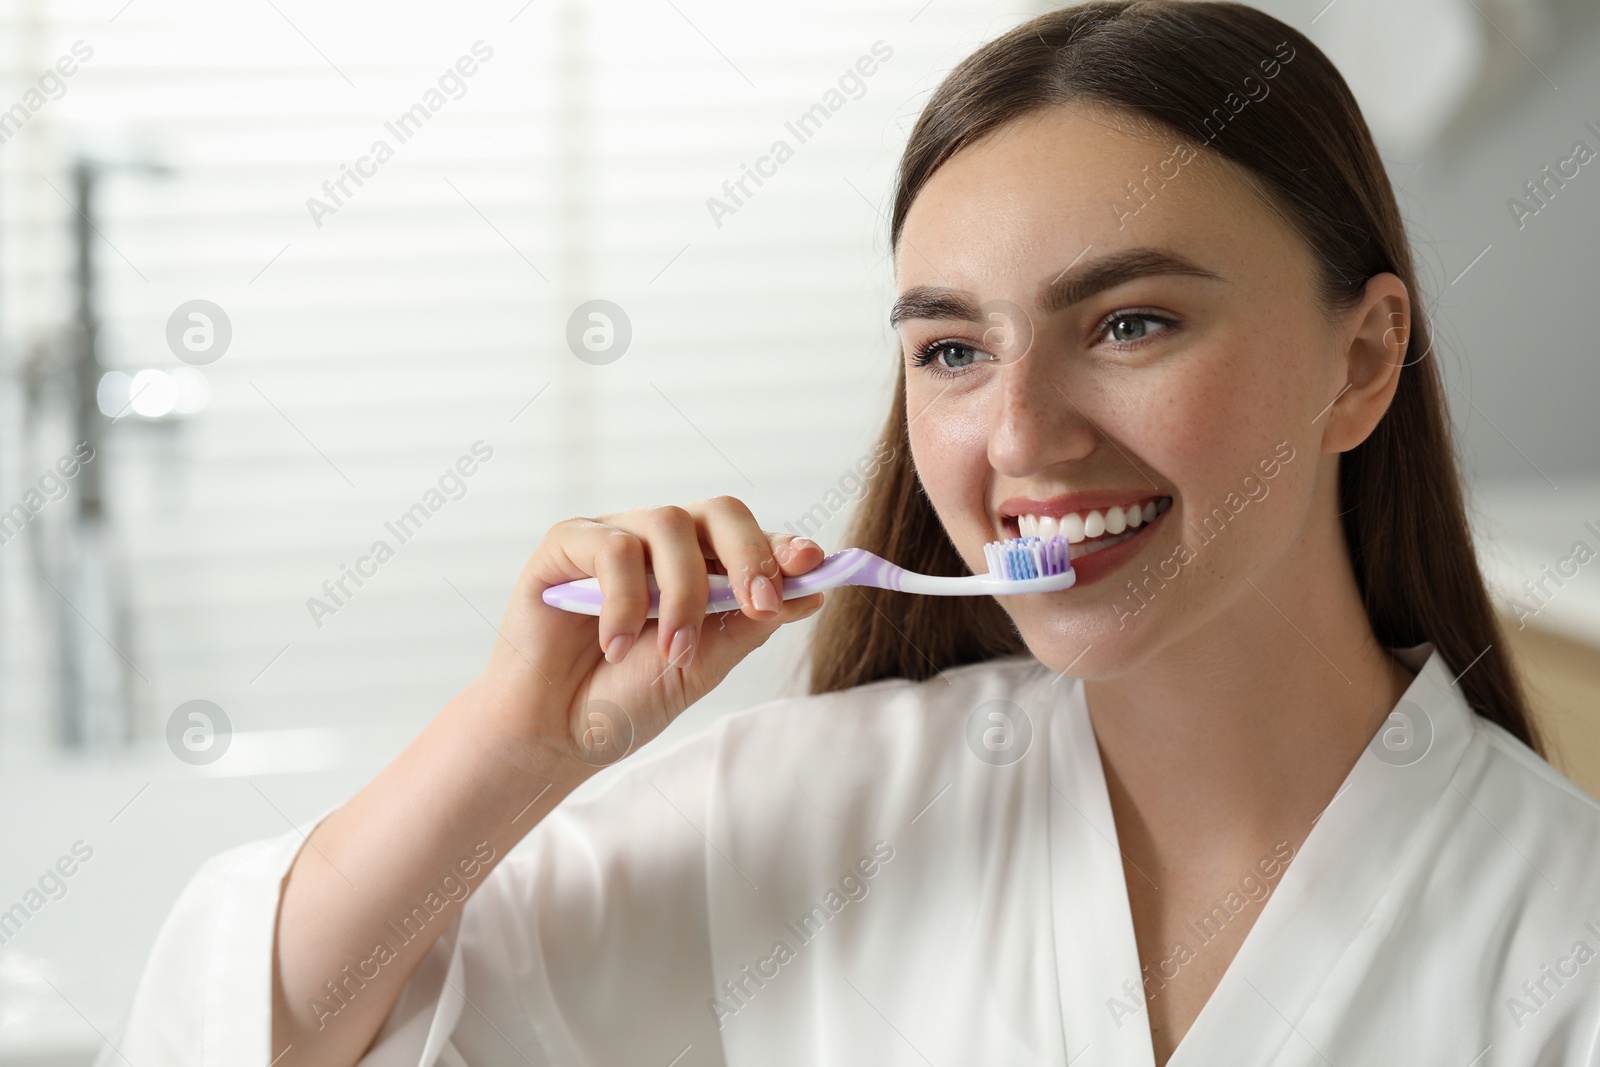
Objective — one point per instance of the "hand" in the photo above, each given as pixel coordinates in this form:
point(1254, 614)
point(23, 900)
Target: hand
point(596, 690)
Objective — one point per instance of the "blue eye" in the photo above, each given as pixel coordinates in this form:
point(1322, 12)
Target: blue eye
point(1124, 328)
point(959, 355)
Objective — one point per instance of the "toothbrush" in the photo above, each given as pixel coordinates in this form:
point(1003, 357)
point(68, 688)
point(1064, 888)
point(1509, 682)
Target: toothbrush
point(1017, 565)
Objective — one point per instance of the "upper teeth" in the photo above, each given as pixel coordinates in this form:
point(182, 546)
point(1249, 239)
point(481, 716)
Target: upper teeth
point(1078, 526)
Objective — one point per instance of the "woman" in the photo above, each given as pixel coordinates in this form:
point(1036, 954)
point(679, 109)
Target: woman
point(1260, 788)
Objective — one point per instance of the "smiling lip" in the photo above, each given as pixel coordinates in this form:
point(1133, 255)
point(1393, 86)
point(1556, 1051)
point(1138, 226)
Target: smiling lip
point(1058, 506)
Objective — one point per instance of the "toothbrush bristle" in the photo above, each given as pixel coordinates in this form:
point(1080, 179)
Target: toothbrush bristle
point(1020, 558)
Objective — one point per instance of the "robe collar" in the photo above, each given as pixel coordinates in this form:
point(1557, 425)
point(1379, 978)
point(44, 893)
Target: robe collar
point(1347, 862)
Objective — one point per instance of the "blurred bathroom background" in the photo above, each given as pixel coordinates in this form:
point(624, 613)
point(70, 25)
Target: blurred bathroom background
point(239, 344)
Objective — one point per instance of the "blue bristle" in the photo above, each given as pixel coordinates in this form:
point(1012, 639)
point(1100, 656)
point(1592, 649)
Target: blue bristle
point(1021, 558)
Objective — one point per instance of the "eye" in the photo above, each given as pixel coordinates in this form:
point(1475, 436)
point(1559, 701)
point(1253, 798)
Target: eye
point(949, 356)
point(1128, 328)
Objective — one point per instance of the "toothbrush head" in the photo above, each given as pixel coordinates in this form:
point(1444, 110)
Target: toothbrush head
point(1020, 558)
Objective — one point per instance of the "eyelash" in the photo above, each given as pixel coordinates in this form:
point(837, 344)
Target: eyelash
point(926, 354)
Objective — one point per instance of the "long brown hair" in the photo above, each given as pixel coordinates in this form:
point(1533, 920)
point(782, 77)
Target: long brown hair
point(1176, 63)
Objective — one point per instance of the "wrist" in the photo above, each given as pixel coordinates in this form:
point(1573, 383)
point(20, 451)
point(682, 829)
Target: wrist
point(511, 739)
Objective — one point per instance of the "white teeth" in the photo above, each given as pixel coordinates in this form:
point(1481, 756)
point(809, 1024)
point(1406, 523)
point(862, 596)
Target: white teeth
point(1072, 528)
point(1109, 525)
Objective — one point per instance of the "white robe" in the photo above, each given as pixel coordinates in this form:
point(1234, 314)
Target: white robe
point(1444, 909)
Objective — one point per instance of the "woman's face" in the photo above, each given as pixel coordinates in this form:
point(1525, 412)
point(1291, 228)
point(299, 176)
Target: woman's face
point(1113, 359)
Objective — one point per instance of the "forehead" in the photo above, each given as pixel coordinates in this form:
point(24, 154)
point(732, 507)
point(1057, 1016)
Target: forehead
point(1017, 206)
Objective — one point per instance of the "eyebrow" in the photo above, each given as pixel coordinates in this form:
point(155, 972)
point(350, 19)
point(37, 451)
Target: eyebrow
point(1071, 286)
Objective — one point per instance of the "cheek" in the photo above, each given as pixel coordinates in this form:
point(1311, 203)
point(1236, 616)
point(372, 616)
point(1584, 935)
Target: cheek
point(1211, 428)
point(949, 446)
point(1208, 425)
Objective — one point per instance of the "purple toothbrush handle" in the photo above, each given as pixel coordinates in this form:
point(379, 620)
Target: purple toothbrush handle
point(841, 568)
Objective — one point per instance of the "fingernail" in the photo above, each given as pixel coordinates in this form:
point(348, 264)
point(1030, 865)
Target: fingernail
point(682, 646)
point(618, 648)
point(797, 546)
point(763, 596)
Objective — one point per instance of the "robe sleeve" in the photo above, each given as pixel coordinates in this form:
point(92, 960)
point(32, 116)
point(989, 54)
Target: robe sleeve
point(588, 944)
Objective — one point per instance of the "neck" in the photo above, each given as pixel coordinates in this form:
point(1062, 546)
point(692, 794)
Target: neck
point(1242, 730)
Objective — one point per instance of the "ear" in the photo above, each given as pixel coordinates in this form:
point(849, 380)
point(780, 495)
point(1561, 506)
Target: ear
point(1374, 339)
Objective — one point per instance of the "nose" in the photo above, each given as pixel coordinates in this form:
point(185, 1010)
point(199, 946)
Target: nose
point(1035, 422)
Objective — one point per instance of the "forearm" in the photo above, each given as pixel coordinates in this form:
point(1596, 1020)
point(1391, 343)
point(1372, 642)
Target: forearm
point(504, 752)
point(356, 916)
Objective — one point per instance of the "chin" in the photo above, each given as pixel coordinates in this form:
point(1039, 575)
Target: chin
point(1083, 640)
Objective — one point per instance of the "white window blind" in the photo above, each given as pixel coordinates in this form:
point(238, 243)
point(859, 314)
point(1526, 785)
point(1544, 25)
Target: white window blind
point(381, 331)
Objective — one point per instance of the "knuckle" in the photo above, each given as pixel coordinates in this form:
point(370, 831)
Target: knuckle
point(728, 506)
point(621, 601)
point(621, 548)
point(624, 601)
point(558, 539)
point(670, 518)
point(742, 511)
